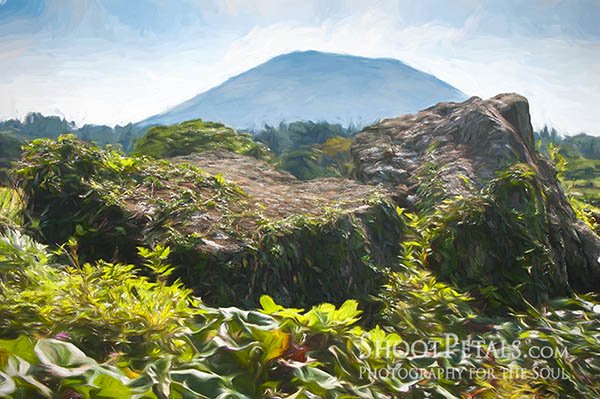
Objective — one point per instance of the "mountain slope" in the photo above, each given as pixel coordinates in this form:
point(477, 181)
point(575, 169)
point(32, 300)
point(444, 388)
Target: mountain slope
point(315, 86)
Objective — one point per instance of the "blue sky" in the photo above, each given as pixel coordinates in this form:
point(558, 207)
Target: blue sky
point(115, 61)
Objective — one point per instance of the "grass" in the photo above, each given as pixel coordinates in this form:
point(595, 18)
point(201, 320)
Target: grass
point(582, 176)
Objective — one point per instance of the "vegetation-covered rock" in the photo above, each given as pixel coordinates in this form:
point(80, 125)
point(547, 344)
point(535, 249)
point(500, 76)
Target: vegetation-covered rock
point(494, 212)
point(264, 232)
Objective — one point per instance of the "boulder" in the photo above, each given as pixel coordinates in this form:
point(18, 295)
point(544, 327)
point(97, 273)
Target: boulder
point(481, 154)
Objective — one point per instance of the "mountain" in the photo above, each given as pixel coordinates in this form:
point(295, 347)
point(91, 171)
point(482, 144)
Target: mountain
point(312, 85)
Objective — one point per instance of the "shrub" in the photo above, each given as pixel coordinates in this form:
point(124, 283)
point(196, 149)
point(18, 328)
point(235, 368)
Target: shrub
point(105, 307)
point(196, 136)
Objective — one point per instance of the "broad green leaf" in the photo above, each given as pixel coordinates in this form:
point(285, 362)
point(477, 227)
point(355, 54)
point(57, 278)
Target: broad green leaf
point(108, 386)
point(7, 385)
point(22, 347)
point(317, 380)
point(63, 359)
point(206, 385)
point(268, 305)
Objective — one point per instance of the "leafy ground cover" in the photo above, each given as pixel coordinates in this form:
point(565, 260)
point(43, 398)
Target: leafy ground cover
point(101, 331)
point(577, 160)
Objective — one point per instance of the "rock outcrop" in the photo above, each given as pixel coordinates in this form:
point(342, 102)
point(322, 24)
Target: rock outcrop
point(490, 213)
point(237, 227)
point(461, 150)
point(304, 241)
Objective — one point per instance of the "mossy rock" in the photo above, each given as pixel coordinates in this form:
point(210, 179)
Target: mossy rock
point(234, 236)
point(494, 216)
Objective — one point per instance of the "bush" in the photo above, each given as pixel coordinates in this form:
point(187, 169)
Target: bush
point(196, 136)
point(10, 150)
point(104, 307)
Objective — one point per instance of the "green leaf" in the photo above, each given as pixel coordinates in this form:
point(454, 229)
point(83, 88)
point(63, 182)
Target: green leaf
point(63, 359)
point(445, 393)
point(22, 347)
point(206, 385)
point(108, 386)
point(268, 305)
point(348, 312)
point(317, 380)
point(7, 385)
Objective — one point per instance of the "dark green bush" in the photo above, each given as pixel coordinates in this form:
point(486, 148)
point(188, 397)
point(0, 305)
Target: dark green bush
point(495, 242)
point(10, 151)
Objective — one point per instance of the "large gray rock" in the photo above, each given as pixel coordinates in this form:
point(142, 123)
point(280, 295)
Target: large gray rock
point(465, 146)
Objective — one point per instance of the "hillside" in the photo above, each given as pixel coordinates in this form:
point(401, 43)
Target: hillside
point(314, 86)
point(578, 158)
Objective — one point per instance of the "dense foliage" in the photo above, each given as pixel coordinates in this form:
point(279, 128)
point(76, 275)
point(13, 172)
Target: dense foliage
point(108, 289)
point(306, 149)
point(10, 151)
point(36, 125)
point(300, 134)
point(578, 158)
point(494, 243)
point(196, 136)
point(144, 338)
point(310, 149)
